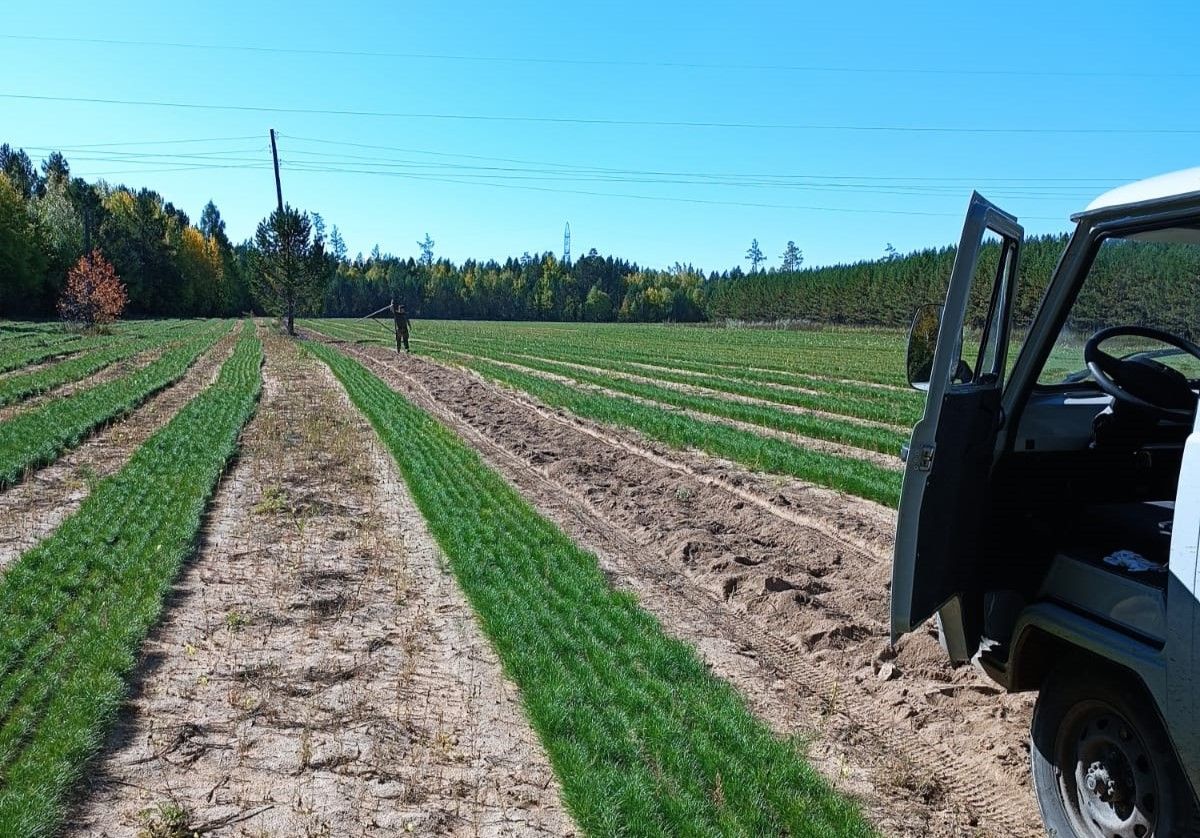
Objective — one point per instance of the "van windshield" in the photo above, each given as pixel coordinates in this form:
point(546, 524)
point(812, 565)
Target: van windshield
point(1148, 279)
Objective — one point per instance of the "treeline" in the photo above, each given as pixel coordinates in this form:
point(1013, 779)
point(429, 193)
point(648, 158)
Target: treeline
point(881, 292)
point(170, 267)
point(1129, 282)
point(173, 267)
point(593, 288)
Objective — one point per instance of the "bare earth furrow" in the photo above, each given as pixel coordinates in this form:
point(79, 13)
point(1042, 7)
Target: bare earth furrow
point(794, 612)
point(318, 671)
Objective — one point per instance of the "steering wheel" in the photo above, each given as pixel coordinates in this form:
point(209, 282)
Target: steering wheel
point(1140, 382)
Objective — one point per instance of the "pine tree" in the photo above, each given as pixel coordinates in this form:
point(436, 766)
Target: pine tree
point(755, 256)
point(793, 258)
point(426, 251)
point(289, 264)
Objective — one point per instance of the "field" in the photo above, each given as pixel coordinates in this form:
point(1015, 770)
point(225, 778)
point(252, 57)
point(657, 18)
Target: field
point(531, 579)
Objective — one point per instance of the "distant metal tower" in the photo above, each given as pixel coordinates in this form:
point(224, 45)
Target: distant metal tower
point(567, 245)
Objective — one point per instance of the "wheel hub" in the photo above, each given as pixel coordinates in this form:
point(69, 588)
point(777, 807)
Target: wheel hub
point(1110, 782)
point(1113, 791)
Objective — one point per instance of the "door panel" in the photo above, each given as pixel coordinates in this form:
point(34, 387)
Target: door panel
point(945, 478)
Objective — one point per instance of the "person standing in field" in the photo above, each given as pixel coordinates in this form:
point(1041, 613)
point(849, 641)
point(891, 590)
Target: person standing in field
point(400, 317)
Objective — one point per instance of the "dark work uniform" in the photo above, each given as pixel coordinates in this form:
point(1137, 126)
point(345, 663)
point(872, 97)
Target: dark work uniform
point(401, 319)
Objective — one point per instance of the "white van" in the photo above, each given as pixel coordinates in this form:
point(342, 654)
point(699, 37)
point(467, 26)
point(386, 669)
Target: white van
point(1050, 515)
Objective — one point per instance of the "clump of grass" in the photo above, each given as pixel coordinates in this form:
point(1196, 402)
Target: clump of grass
point(272, 499)
point(644, 739)
point(167, 820)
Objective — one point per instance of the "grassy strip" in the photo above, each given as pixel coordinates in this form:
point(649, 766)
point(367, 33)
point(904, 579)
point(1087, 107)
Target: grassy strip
point(52, 341)
point(774, 456)
point(861, 400)
point(881, 440)
point(36, 438)
point(44, 347)
point(27, 385)
point(644, 739)
point(859, 354)
point(77, 607)
point(13, 341)
point(897, 407)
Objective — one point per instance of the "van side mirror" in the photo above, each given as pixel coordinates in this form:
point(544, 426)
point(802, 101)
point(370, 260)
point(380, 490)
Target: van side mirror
point(922, 342)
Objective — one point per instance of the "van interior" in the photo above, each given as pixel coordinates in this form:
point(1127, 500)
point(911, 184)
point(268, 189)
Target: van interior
point(1087, 484)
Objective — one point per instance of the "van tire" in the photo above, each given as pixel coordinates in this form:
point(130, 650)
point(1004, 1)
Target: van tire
point(1102, 763)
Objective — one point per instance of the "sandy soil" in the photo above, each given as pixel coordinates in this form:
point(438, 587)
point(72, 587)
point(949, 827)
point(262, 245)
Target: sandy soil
point(784, 589)
point(31, 510)
point(888, 461)
point(700, 390)
point(318, 672)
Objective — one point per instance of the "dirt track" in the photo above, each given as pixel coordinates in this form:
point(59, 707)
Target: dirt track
point(782, 586)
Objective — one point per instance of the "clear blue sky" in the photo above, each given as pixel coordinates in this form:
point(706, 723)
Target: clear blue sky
point(840, 194)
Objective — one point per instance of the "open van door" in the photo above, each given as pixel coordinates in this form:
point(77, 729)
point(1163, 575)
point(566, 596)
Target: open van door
point(951, 452)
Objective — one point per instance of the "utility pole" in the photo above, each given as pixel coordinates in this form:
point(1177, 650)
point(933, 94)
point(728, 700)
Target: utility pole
point(567, 245)
point(275, 158)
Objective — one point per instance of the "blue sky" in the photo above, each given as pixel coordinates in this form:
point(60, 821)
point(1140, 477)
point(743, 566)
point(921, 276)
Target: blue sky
point(800, 103)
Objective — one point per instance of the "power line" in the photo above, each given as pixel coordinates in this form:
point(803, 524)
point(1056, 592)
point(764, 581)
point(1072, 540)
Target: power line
point(437, 179)
point(608, 62)
point(152, 142)
point(1081, 183)
point(555, 170)
point(636, 123)
point(196, 168)
point(556, 176)
point(477, 173)
point(963, 179)
point(511, 176)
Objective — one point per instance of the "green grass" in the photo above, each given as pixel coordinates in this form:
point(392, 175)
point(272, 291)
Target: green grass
point(78, 606)
point(757, 452)
point(32, 343)
point(760, 453)
point(901, 407)
point(37, 437)
point(21, 386)
point(39, 347)
point(870, 355)
point(644, 739)
point(881, 440)
point(831, 428)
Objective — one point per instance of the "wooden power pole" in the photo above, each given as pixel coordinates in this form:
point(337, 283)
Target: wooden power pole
point(275, 159)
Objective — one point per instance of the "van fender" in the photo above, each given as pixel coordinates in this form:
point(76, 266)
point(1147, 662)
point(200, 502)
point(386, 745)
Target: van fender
point(1046, 633)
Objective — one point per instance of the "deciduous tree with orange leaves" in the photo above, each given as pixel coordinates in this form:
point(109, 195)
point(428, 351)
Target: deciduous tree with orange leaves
point(94, 294)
